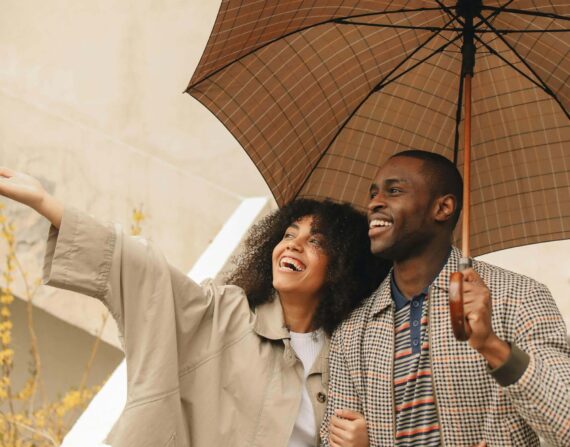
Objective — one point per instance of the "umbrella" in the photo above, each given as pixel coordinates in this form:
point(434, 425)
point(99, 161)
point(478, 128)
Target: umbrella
point(321, 93)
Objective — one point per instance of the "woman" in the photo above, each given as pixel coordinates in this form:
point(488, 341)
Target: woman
point(208, 365)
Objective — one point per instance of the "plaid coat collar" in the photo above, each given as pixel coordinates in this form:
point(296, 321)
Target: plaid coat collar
point(382, 298)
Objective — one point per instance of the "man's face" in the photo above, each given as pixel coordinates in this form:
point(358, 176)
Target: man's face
point(400, 210)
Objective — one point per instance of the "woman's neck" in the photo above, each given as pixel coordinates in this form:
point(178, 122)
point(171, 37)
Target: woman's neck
point(299, 312)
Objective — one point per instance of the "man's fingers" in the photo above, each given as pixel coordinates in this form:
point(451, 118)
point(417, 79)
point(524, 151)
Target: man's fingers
point(471, 276)
point(349, 414)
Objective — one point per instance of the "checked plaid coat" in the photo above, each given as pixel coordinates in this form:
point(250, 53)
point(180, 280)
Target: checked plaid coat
point(471, 404)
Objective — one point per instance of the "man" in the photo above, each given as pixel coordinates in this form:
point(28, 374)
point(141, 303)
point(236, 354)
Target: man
point(396, 361)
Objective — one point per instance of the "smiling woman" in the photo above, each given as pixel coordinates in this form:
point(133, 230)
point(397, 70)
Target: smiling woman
point(244, 364)
point(332, 238)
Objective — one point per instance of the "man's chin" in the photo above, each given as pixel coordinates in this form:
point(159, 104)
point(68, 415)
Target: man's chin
point(380, 250)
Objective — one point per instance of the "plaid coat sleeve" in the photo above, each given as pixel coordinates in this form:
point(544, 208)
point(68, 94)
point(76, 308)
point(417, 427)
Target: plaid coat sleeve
point(342, 391)
point(541, 395)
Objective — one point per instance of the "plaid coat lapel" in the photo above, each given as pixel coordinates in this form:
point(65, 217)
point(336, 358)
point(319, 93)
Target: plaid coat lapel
point(460, 375)
point(377, 362)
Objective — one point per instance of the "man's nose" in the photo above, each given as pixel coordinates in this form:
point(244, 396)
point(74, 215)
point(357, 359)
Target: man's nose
point(377, 203)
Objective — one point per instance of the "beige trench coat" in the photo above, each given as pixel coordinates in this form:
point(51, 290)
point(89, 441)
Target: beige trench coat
point(203, 369)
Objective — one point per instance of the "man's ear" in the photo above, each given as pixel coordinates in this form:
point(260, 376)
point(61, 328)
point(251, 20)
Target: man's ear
point(445, 207)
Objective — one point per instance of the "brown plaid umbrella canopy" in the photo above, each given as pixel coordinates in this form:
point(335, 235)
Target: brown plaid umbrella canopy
point(320, 93)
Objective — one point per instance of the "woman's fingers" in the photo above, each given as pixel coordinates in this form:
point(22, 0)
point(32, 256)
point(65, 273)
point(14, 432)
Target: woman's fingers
point(29, 191)
point(348, 429)
point(6, 172)
point(20, 187)
point(335, 441)
point(339, 428)
point(349, 414)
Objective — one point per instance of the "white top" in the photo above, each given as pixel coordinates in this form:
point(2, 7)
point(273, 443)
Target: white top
point(307, 346)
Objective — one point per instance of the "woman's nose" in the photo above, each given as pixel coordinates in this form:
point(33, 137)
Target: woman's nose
point(293, 244)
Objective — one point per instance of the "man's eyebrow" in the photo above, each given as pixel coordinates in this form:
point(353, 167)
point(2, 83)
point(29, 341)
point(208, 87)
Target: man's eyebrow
point(391, 181)
point(387, 182)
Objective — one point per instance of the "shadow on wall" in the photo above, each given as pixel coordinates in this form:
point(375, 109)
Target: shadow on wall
point(64, 351)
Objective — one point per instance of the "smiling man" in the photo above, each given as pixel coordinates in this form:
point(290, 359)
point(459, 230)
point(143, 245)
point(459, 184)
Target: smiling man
point(396, 360)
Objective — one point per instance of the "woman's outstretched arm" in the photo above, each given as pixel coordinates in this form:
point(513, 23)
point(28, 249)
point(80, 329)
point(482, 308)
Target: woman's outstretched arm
point(29, 191)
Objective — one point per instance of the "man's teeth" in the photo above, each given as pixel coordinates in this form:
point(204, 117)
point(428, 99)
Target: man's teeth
point(380, 223)
point(291, 264)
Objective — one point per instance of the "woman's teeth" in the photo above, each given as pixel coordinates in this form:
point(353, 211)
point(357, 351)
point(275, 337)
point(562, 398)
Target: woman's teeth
point(291, 264)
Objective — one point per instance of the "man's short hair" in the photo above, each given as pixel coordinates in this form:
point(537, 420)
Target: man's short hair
point(441, 174)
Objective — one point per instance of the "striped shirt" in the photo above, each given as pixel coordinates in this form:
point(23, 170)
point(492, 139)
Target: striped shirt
point(416, 415)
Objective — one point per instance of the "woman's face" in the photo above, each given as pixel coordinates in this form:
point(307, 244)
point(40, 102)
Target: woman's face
point(299, 260)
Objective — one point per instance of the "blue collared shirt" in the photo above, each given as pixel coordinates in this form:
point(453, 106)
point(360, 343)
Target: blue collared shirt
point(416, 305)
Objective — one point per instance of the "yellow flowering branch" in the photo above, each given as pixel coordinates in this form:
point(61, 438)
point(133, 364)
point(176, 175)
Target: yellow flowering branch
point(24, 425)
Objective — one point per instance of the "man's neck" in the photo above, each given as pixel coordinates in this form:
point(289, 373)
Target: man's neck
point(414, 274)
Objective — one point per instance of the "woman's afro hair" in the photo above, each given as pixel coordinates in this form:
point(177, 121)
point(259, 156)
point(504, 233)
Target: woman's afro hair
point(353, 272)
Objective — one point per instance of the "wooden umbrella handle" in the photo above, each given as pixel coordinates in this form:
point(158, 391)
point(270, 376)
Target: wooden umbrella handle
point(459, 324)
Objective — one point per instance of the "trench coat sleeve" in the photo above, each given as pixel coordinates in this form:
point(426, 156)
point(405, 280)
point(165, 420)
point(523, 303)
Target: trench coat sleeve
point(342, 392)
point(79, 257)
point(542, 394)
point(127, 273)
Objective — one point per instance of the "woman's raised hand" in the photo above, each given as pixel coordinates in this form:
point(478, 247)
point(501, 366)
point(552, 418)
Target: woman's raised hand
point(348, 429)
point(29, 191)
point(21, 188)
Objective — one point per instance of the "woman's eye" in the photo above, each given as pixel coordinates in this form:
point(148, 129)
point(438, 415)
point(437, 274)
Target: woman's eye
point(287, 236)
point(316, 242)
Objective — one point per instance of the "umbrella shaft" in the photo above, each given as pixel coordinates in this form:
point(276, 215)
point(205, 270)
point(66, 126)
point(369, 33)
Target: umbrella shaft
point(466, 167)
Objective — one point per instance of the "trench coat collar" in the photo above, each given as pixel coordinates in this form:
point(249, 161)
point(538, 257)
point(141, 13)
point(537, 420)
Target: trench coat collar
point(269, 321)
point(383, 296)
point(270, 324)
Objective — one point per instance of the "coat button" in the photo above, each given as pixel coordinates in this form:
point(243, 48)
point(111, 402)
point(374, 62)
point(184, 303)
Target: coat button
point(321, 397)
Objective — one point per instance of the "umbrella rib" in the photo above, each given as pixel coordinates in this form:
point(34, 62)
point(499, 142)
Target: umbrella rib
point(518, 70)
point(548, 15)
point(495, 13)
point(314, 25)
point(543, 85)
point(450, 12)
point(385, 82)
point(378, 86)
point(406, 59)
point(437, 28)
point(526, 31)
point(389, 25)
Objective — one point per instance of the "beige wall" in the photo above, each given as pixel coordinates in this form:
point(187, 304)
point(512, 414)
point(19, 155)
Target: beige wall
point(548, 263)
point(91, 103)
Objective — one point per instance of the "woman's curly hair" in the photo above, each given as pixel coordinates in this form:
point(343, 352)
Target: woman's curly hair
point(353, 273)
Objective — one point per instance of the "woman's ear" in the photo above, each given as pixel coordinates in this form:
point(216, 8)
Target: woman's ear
point(445, 207)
